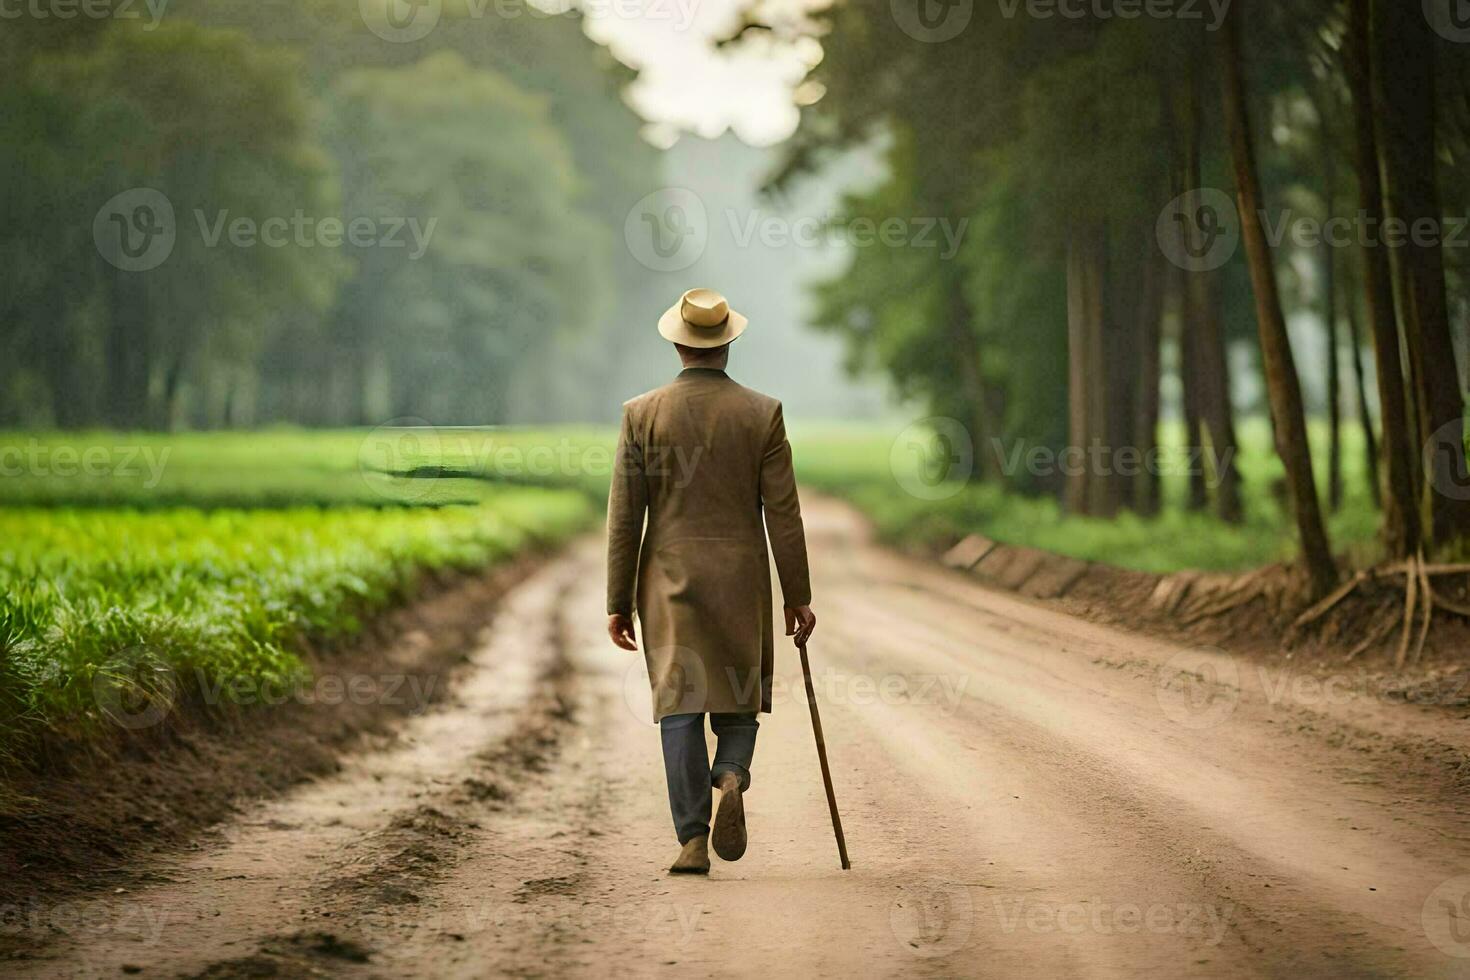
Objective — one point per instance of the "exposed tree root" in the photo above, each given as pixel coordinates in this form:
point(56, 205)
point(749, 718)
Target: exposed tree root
point(1376, 636)
point(1411, 595)
point(1364, 610)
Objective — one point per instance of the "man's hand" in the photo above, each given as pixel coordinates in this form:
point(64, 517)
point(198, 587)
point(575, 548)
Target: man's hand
point(801, 622)
point(620, 628)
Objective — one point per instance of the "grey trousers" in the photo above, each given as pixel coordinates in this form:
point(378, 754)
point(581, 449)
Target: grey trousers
point(686, 764)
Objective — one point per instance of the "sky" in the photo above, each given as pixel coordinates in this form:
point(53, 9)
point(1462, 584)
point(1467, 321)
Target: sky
point(686, 83)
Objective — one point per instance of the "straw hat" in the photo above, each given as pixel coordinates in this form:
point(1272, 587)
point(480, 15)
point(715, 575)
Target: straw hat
point(701, 318)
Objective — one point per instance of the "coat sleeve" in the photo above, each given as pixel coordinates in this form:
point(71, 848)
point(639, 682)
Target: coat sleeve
point(626, 505)
point(783, 516)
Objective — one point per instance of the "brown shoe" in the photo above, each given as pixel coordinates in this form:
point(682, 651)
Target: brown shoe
point(729, 835)
point(693, 859)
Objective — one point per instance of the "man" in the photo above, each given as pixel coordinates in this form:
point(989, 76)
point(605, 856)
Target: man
point(704, 458)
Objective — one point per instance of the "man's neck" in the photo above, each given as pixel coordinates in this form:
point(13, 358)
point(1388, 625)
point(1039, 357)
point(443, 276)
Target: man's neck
point(705, 364)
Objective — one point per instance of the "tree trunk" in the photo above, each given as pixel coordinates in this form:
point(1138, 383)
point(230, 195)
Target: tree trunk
point(959, 321)
point(1334, 375)
point(127, 371)
point(1202, 348)
point(1365, 416)
point(1087, 492)
point(1282, 383)
point(1190, 382)
point(1324, 100)
point(1404, 96)
point(1401, 525)
point(1123, 350)
point(1216, 412)
point(1147, 486)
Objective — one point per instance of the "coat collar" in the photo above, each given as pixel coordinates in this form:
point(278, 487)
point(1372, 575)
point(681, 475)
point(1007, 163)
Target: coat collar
point(700, 372)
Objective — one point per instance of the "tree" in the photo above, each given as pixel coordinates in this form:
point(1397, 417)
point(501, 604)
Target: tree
point(1401, 525)
point(446, 334)
point(1403, 91)
point(1282, 382)
point(220, 128)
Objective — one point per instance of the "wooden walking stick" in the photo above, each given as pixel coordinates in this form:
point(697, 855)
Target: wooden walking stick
point(811, 700)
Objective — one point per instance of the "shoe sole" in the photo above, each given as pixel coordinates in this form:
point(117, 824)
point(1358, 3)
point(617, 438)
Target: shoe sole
point(728, 838)
point(689, 871)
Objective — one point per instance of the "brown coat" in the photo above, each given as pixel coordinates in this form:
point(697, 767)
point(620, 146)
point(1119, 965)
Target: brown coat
point(704, 457)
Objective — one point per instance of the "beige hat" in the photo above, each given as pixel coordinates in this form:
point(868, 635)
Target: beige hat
point(701, 318)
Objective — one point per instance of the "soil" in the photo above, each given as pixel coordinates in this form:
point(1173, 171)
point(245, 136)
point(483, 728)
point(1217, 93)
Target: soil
point(83, 810)
point(1024, 792)
point(1251, 614)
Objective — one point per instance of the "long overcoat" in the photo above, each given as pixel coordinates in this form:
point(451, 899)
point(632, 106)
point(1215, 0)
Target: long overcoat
point(704, 463)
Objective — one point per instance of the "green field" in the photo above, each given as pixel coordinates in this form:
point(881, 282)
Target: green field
point(134, 567)
point(130, 561)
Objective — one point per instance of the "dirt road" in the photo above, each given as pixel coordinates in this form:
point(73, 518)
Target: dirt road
point(1025, 795)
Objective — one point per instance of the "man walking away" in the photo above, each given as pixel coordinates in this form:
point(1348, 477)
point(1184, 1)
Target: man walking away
point(704, 462)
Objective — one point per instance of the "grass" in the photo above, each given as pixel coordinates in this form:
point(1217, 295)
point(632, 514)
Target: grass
point(211, 560)
point(860, 465)
point(291, 467)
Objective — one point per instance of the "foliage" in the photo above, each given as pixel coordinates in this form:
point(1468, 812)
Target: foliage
point(92, 599)
point(856, 464)
point(509, 134)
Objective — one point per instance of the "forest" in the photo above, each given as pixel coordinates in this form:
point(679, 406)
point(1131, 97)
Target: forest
point(1167, 207)
point(305, 161)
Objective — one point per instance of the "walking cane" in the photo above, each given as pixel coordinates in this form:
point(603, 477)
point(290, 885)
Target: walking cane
point(811, 700)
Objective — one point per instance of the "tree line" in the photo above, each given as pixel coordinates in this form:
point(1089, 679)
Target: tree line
point(1089, 154)
point(351, 230)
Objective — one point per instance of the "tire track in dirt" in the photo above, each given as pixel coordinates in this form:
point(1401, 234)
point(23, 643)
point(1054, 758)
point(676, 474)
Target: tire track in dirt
point(295, 884)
